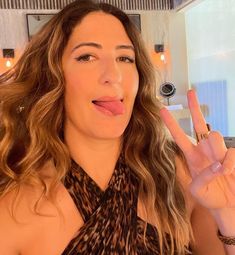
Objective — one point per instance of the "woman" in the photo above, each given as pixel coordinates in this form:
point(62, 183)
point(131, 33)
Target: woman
point(87, 166)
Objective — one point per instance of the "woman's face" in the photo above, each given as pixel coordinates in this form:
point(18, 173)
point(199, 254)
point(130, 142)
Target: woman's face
point(101, 78)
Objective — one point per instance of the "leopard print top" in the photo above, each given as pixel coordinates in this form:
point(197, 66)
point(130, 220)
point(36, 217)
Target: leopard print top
point(111, 225)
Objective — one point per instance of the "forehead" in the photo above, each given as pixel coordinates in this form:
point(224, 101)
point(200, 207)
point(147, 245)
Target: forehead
point(101, 27)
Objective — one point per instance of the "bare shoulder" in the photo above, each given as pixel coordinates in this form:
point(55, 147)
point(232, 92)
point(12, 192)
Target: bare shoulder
point(17, 217)
point(24, 231)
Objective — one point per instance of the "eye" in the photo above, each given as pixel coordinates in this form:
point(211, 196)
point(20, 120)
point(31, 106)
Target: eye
point(126, 59)
point(85, 58)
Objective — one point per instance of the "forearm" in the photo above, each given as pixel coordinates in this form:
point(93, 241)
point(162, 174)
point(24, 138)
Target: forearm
point(225, 219)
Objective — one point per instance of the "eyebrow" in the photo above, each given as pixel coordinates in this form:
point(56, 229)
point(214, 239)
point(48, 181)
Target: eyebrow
point(98, 46)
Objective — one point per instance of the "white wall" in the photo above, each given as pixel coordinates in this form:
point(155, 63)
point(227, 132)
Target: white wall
point(178, 49)
point(13, 27)
point(179, 75)
point(211, 47)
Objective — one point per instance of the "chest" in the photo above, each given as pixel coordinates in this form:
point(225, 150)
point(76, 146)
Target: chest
point(52, 235)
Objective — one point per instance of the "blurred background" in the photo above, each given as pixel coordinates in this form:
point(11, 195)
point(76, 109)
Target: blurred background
point(191, 43)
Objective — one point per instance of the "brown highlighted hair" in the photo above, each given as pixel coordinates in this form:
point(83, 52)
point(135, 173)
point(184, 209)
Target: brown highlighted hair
point(32, 118)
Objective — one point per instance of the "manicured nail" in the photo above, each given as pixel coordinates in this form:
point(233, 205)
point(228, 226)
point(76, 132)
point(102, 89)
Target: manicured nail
point(215, 167)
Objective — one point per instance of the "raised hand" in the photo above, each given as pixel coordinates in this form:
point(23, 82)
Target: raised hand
point(211, 164)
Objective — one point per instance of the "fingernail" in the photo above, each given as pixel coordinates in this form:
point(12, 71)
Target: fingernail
point(215, 167)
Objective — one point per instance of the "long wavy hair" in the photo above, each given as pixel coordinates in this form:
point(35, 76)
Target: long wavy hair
point(32, 118)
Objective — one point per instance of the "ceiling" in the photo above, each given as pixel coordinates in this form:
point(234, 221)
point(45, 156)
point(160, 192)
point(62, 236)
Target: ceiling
point(59, 4)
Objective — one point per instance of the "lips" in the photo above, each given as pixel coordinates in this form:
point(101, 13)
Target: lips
point(109, 106)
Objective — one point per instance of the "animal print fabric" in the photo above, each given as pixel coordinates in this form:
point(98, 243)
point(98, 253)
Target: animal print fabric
point(111, 225)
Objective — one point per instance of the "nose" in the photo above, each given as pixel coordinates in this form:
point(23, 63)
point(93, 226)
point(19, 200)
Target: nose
point(110, 73)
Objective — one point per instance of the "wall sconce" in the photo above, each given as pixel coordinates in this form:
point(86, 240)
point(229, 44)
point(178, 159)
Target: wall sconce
point(159, 48)
point(9, 54)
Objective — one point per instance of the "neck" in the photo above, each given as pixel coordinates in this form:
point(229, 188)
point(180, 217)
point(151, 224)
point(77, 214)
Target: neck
point(96, 156)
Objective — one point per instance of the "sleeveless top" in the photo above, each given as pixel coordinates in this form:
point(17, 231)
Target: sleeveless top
point(111, 225)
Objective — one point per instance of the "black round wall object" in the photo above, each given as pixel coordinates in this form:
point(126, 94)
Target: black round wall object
point(167, 90)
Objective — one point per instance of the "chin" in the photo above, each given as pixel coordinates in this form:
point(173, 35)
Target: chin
point(109, 134)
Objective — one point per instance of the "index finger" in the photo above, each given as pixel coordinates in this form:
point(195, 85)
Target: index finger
point(176, 131)
point(199, 122)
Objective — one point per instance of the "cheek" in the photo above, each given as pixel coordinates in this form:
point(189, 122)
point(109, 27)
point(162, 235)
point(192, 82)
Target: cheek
point(73, 90)
point(75, 84)
point(73, 76)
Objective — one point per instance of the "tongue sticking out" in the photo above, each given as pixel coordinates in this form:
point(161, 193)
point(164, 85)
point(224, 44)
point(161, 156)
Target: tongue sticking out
point(114, 107)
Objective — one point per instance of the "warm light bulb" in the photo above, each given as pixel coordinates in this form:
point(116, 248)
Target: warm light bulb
point(8, 63)
point(162, 57)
